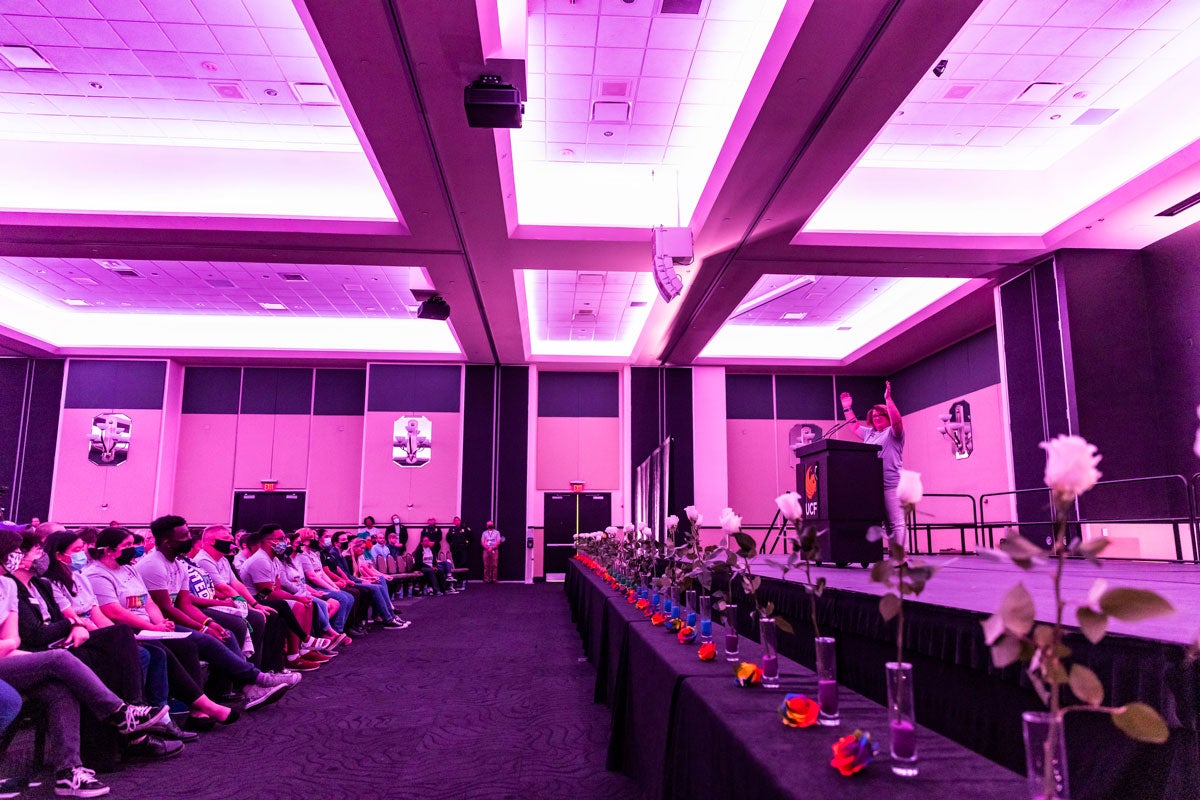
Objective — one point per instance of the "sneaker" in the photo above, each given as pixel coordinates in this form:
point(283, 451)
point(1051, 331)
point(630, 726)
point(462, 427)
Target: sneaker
point(78, 782)
point(315, 657)
point(12, 787)
point(392, 625)
point(131, 719)
point(154, 747)
point(269, 679)
point(300, 665)
point(316, 643)
point(263, 695)
point(168, 729)
point(403, 623)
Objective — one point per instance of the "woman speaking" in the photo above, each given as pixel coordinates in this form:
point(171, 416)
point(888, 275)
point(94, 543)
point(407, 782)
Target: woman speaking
point(884, 428)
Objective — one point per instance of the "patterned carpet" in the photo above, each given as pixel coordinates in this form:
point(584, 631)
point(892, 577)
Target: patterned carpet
point(484, 697)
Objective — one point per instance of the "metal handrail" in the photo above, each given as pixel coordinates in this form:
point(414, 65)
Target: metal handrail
point(1190, 520)
point(962, 528)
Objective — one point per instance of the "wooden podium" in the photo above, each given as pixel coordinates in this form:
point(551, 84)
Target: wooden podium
point(841, 490)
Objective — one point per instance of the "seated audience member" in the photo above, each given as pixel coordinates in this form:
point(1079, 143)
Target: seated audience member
point(363, 564)
point(307, 560)
point(400, 531)
point(264, 571)
point(112, 654)
point(378, 545)
point(331, 559)
point(125, 600)
point(292, 580)
point(63, 683)
point(77, 600)
point(266, 628)
point(367, 531)
point(243, 550)
point(395, 547)
point(433, 533)
point(426, 563)
point(334, 560)
point(232, 616)
point(10, 709)
point(165, 576)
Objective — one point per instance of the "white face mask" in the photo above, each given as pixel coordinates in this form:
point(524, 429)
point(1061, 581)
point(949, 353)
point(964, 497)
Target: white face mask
point(13, 562)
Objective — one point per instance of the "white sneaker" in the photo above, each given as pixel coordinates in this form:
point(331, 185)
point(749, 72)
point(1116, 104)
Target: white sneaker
point(262, 695)
point(268, 679)
point(78, 782)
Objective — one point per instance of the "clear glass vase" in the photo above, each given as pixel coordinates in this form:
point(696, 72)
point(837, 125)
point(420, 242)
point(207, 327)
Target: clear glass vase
point(691, 608)
point(1045, 736)
point(731, 634)
point(827, 686)
point(678, 610)
point(901, 719)
point(768, 638)
point(705, 619)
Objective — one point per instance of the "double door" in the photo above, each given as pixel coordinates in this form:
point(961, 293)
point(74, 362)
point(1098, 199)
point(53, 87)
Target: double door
point(566, 514)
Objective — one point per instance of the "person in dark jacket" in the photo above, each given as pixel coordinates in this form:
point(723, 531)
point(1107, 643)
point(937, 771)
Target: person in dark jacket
point(459, 539)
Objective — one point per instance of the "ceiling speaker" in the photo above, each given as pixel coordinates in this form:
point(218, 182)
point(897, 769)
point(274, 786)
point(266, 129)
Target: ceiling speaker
point(492, 103)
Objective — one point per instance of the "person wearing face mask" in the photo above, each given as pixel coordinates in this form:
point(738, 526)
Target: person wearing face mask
point(335, 560)
point(112, 655)
point(165, 577)
point(400, 531)
point(124, 599)
point(308, 560)
point(61, 681)
point(165, 675)
point(267, 631)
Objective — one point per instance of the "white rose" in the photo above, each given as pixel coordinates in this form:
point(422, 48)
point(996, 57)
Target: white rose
point(1070, 466)
point(645, 533)
point(789, 505)
point(731, 523)
point(673, 521)
point(611, 530)
point(692, 513)
point(725, 512)
point(910, 491)
point(629, 527)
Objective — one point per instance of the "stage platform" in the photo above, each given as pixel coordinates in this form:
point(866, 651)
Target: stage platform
point(973, 583)
point(960, 694)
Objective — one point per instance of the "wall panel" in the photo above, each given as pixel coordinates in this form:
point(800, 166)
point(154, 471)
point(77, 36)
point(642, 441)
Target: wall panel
point(87, 493)
point(204, 470)
point(334, 469)
point(415, 493)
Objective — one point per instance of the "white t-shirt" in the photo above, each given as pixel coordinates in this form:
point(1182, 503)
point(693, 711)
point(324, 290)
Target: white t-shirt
point(200, 583)
point(8, 598)
point(308, 561)
point(892, 452)
point(292, 579)
point(84, 599)
point(158, 573)
point(217, 568)
point(261, 568)
point(121, 586)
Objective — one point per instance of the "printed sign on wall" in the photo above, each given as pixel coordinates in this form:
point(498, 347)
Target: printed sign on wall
point(109, 440)
point(412, 441)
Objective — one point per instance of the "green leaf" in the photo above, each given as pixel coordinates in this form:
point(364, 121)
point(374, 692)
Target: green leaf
point(1006, 650)
point(1022, 551)
point(768, 609)
point(881, 572)
point(1017, 611)
point(993, 629)
point(1131, 605)
point(1092, 547)
point(1086, 685)
point(889, 606)
point(746, 545)
point(1093, 624)
point(1142, 723)
point(785, 626)
point(820, 585)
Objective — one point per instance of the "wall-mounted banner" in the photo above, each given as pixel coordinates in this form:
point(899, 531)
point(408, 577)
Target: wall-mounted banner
point(412, 441)
point(956, 427)
point(109, 440)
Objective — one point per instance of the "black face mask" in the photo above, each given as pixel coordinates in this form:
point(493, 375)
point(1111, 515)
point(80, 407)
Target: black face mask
point(127, 555)
point(223, 546)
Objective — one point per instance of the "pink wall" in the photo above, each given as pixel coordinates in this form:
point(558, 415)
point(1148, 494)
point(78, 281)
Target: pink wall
point(578, 448)
point(86, 493)
point(204, 467)
point(334, 469)
point(272, 446)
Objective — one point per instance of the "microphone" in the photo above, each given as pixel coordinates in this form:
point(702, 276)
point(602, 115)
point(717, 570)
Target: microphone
point(837, 427)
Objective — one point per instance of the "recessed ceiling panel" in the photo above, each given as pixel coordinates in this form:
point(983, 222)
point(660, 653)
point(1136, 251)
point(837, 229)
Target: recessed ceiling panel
point(585, 313)
point(186, 107)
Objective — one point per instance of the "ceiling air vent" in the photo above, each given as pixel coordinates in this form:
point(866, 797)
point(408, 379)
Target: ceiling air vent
point(356, 287)
point(680, 7)
point(613, 87)
point(220, 283)
point(293, 277)
point(638, 304)
point(126, 272)
point(609, 111)
point(1181, 206)
point(591, 277)
point(228, 91)
point(1094, 116)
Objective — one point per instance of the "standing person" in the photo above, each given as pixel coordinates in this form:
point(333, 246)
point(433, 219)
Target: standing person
point(368, 529)
point(490, 539)
point(400, 531)
point(433, 533)
point(458, 538)
point(885, 428)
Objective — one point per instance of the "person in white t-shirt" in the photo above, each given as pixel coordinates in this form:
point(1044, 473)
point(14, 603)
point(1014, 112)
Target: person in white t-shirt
point(216, 543)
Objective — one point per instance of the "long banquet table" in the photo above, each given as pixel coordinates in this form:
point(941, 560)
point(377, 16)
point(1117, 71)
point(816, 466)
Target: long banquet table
point(682, 728)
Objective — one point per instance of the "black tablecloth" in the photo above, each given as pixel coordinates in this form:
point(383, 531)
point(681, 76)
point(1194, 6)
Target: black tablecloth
point(683, 729)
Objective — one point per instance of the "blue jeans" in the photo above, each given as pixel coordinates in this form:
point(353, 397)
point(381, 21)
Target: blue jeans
point(345, 602)
point(381, 602)
point(894, 525)
point(10, 705)
point(154, 674)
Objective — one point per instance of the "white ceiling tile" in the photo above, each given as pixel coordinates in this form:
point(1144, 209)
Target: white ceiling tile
point(240, 40)
point(42, 31)
point(1096, 43)
point(567, 110)
point(905, 152)
point(966, 39)
point(660, 90)
point(121, 9)
point(1142, 44)
point(977, 113)
point(1175, 15)
point(1111, 70)
point(654, 113)
point(223, 12)
point(78, 9)
point(569, 60)
point(1016, 116)
point(618, 61)
point(1076, 14)
point(725, 36)
point(1031, 12)
point(288, 42)
point(1067, 69)
point(977, 66)
point(570, 29)
point(1005, 39)
point(535, 59)
point(272, 14)
point(697, 115)
point(711, 93)
point(1129, 13)
point(92, 33)
point(587, 7)
point(172, 10)
point(710, 65)
point(667, 63)
point(624, 9)
point(993, 137)
point(568, 87)
point(998, 91)
point(535, 108)
point(675, 34)
point(1052, 117)
point(930, 113)
point(1034, 137)
point(623, 31)
point(956, 134)
point(1050, 41)
point(191, 38)
point(535, 85)
point(607, 134)
point(916, 134)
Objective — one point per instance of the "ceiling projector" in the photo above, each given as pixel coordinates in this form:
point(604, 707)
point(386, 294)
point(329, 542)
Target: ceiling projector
point(670, 247)
point(492, 103)
point(434, 308)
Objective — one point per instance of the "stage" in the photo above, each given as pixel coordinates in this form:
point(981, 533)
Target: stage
point(960, 694)
point(973, 583)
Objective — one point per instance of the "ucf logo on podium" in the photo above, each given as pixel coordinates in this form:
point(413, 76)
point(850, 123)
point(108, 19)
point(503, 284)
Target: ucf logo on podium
point(812, 506)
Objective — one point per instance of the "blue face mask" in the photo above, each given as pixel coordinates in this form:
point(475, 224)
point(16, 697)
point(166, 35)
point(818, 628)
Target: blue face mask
point(139, 551)
point(78, 561)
